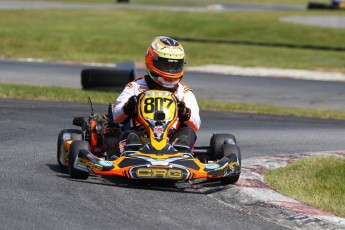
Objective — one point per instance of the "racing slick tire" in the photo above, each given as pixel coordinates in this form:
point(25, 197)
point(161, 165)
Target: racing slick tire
point(231, 149)
point(105, 78)
point(317, 5)
point(230, 179)
point(76, 134)
point(76, 146)
point(216, 144)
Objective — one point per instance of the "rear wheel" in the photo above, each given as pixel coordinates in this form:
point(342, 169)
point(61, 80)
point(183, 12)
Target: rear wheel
point(71, 134)
point(76, 146)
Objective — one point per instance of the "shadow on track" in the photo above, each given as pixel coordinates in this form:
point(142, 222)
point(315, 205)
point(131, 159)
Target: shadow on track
point(156, 185)
point(210, 186)
point(201, 186)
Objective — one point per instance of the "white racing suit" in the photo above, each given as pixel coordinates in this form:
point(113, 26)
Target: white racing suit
point(183, 93)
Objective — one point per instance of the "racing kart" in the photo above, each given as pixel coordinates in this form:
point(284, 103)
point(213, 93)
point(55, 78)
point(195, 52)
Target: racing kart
point(95, 148)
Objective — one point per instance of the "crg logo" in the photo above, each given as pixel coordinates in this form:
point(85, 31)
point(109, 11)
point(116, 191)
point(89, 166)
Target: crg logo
point(89, 164)
point(159, 173)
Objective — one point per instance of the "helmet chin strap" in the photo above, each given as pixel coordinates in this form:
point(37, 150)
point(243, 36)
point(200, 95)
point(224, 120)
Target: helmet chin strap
point(152, 84)
point(166, 84)
point(160, 80)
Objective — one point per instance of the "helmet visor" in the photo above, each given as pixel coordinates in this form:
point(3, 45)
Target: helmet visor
point(168, 65)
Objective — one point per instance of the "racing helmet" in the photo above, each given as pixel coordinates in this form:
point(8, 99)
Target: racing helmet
point(164, 61)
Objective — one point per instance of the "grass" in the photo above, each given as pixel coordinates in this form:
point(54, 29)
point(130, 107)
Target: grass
point(320, 182)
point(196, 2)
point(29, 92)
point(269, 109)
point(112, 35)
point(77, 95)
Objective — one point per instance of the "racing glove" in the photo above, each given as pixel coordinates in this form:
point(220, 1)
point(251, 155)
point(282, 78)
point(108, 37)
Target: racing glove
point(183, 112)
point(130, 107)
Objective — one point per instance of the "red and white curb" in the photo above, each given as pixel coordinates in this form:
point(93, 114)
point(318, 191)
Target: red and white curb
point(252, 196)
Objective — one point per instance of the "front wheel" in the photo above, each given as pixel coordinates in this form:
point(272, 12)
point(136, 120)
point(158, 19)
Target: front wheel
point(230, 179)
point(64, 135)
point(216, 144)
point(227, 150)
point(76, 146)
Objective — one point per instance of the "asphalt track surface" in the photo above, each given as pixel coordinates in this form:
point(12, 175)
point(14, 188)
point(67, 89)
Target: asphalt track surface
point(17, 4)
point(37, 194)
point(285, 92)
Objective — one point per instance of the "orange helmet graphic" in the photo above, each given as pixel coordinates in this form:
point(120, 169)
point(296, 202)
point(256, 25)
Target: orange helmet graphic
point(164, 61)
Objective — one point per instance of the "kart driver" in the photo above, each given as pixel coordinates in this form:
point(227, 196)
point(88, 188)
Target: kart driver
point(165, 58)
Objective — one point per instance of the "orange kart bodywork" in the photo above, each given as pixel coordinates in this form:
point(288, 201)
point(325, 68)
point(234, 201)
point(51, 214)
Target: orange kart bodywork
point(178, 166)
point(154, 157)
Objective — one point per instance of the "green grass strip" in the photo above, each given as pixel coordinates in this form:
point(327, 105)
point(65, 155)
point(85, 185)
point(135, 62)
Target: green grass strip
point(53, 93)
point(195, 2)
point(78, 95)
point(269, 109)
point(320, 182)
point(112, 35)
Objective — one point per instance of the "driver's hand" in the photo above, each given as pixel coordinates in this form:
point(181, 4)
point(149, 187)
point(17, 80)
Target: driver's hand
point(183, 112)
point(130, 107)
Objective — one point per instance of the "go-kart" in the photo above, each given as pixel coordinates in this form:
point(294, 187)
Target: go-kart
point(95, 148)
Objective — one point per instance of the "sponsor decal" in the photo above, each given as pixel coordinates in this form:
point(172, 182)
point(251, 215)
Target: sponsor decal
point(91, 157)
point(89, 164)
point(159, 173)
point(142, 89)
point(186, 89)
point(158, 130)
point(233, 165)
point(212, 166)
point(122, 145)
point(158, 159)
point(129, 85)
point(106, 163)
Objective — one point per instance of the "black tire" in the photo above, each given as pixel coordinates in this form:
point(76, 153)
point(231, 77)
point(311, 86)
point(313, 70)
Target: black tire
point(76, 146)
point(105, 78)
point(230, 179)
point(76, 135)
point(231, 149)
point(316, 5)
point(216, 144)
